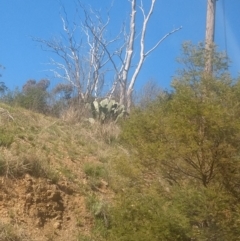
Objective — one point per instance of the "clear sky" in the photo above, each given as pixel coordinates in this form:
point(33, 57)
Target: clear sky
point(24, 59)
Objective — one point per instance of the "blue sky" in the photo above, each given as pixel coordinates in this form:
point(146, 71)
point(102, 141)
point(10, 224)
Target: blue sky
point(24, 59)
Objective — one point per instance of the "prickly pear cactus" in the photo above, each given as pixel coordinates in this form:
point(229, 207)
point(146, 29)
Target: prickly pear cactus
point(107, 110)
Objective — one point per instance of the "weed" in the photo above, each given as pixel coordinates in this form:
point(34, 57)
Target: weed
point(79, 222)
point(68, 173)
point(99, 209)
point(94, 170)
point(6, 138)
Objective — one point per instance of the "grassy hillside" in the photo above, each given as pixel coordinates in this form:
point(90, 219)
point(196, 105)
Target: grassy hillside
point(57, 179)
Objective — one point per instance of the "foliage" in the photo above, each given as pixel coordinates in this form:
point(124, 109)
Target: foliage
point(212, 214)
point(63, 90)
point(177, 179)
point(187, 213)
point(183, 213)
point(193, 133)
point(193, 61)
point(146, 216)
point(148, 93)
point(34, 96)
point(61, 96)
point(191, 138)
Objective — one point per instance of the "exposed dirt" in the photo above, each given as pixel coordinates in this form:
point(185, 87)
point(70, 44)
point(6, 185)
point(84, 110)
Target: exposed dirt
point(37, 209)
point(42, 210)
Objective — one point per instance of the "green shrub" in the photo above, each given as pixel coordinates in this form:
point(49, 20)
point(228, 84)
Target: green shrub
point(94, 170)
point(192, 134)
point(34, 96)
point(212, 213)
point(6, 137)
point(146, 216)
point(33, 99)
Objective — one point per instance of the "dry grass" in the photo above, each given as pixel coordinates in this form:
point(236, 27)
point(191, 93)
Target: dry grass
point(10, 232)
point(14, 166)
point(43, 146)
point(74, 114)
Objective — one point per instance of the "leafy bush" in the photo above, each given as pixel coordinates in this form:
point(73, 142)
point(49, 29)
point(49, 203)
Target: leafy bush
point(33, 99)
point(212, 214)
point(146, 216)
point(191, 138)
point(192, 134)
point(34, 96)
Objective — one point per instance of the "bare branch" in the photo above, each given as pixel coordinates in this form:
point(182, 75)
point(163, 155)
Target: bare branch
point(144, 54)
point(85, 66)
point(161, 40)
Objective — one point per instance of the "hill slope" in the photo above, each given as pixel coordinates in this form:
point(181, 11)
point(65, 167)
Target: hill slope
point(54, 176)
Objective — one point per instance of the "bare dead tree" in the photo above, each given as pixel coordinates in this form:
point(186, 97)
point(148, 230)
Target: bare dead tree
point(67, 49)
point(87, 72)
point(126, 52)
point(82, 65)
point(127, 82)
point(98, 47)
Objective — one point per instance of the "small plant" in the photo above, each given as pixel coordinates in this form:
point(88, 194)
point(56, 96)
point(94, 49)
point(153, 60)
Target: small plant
point(95, 173)
point(94, 170)
point(99, 209)
point(6, 138)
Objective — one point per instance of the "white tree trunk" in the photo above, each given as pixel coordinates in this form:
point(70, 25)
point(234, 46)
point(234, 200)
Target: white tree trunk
point(127, 84)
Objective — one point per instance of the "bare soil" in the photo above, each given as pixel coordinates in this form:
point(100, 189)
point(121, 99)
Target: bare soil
point(40, 210)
